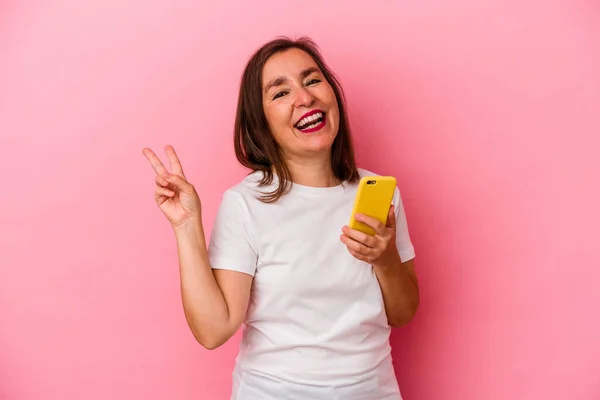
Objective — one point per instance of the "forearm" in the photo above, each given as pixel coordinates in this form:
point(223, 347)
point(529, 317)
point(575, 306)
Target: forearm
point(204, 305)
point(400, 292)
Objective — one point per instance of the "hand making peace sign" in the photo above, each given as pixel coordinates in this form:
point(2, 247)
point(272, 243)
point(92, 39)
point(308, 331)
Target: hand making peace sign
point(175, 196)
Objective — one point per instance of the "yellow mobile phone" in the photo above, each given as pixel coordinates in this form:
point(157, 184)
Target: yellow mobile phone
point(373, 198)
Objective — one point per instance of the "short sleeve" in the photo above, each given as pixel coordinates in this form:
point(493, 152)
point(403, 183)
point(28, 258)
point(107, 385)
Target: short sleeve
point(403, 242)
point(230, 245)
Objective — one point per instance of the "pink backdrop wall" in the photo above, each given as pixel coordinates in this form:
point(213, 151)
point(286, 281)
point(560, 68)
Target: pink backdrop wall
point(487, 112)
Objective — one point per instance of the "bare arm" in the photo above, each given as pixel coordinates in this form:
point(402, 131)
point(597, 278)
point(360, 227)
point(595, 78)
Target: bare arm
point(400, 290)
point(214, 301)
point(397, 279)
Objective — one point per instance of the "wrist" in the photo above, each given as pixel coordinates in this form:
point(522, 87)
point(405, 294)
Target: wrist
point(190, 235)
point(389, 264)
point(190, 227)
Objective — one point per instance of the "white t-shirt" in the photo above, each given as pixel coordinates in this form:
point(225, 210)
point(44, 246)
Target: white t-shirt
point(316, 326)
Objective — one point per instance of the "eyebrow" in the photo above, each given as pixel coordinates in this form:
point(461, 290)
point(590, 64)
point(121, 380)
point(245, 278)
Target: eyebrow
point(281, 80)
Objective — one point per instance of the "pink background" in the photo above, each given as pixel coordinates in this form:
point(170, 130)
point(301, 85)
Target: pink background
point(487, 112)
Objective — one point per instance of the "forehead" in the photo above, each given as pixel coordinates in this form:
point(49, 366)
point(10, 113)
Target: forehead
point(287, 64)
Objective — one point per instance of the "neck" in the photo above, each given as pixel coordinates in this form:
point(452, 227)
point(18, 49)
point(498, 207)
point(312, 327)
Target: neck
point(314, 172)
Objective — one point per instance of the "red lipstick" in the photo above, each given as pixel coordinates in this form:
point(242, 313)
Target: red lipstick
point(312, 121)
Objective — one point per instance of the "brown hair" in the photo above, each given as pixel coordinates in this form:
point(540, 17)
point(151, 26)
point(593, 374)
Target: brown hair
point(255, 146)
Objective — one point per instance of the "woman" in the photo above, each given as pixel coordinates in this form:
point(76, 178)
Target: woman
point(317, 299)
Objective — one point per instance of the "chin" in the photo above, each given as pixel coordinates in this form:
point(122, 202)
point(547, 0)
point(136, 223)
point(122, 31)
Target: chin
point(321, 143)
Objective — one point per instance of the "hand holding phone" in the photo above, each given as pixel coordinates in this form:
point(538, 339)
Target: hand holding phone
point(374, 199)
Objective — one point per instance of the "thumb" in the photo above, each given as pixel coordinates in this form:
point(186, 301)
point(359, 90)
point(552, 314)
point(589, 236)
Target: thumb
point(391, 218)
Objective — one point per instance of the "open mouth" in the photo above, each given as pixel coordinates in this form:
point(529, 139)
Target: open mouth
point(311, 122)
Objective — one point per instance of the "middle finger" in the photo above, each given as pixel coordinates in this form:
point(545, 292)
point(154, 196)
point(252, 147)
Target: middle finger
point(360, 237)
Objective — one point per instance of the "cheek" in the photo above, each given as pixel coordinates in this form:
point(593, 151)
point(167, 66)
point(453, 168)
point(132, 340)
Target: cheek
point(274, 118)
point(278, 119)
point(335, 114)
point(334, 110)
point(280, 114)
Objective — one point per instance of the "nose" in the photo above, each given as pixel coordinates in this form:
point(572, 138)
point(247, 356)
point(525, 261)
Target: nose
point(303, 97)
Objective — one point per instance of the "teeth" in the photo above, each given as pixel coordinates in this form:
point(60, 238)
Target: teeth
point(309, 119)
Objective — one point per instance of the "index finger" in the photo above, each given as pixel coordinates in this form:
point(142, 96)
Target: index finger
point(377, 225)
point(391, 219)
point(174, 161)
point(158, 166)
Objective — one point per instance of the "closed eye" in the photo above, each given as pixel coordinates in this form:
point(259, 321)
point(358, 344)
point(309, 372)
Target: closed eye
point(282, 93)
point(279, 94)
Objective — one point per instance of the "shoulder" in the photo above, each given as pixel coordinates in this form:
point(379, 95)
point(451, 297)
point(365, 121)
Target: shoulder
point(362, 172)
point(246, 190)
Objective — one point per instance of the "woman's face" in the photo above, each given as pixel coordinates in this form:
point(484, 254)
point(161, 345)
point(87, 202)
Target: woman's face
point(299, 104)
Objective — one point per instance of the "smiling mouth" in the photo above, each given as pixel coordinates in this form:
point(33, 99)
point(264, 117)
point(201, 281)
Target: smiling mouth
point(312, 122)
